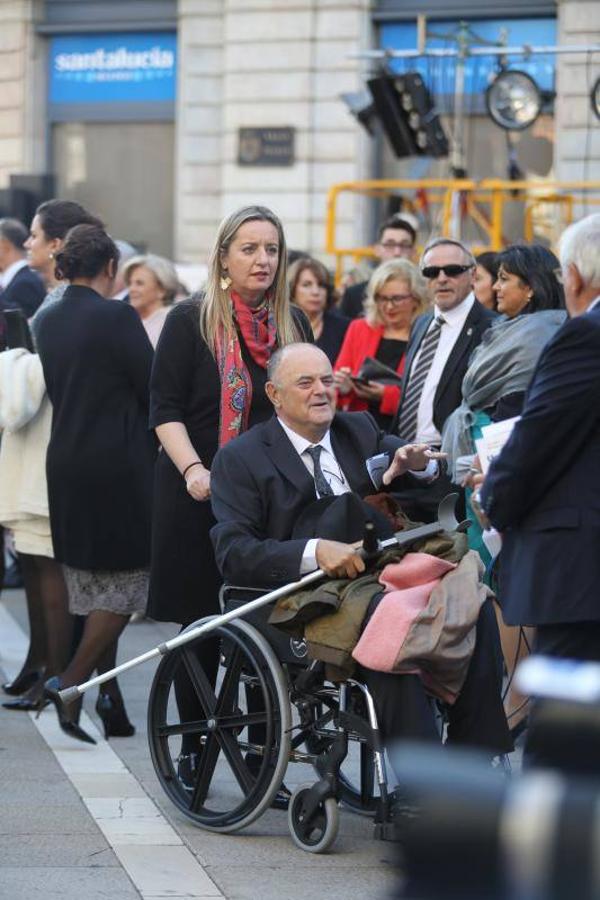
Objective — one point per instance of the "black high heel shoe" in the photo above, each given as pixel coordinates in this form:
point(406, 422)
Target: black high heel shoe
point(23, 682)
point(50, 694)
point(114, 717)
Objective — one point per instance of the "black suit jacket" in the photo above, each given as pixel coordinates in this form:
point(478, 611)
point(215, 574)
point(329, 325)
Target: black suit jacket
point(448, 395)
point(351, 304)
point(259, 487)
point(26, 291)
point(543, 490)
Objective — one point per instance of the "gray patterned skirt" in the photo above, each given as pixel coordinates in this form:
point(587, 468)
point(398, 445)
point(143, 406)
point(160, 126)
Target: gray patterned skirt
point(124, 592)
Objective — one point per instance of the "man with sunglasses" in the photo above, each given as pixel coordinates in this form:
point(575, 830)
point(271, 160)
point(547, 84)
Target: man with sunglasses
point(395, 240)
point(437, 357)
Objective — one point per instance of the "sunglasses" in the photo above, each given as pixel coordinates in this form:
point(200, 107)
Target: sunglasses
point(452, 271)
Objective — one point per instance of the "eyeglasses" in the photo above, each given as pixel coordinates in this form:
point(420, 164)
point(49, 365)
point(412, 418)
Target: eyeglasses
point(397, 245)
point(396, 300)
point(558, 274)
point(452, 271)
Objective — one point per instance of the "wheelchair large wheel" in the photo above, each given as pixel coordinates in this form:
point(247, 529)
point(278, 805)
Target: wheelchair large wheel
point(222, 760)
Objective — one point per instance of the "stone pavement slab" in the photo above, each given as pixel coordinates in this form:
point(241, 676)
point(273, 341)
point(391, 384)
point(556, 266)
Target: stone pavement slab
point(88, 799)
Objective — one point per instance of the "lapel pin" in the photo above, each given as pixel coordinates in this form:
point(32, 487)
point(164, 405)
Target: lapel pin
point(469, 332)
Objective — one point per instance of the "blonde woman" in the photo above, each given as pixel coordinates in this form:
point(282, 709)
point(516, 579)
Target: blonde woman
point(396, 294)
point(207, 387)
point(152, 284)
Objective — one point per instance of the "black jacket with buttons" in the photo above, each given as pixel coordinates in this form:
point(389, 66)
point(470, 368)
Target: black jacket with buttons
point(260, 486)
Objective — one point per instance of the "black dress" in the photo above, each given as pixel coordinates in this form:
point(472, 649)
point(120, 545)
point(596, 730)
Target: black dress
point(332, 334)
point(97, 358)
point(185, 387)
point(389, 352)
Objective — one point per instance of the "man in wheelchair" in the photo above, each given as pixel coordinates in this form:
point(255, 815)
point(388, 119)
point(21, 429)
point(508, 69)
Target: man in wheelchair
point(263, 484)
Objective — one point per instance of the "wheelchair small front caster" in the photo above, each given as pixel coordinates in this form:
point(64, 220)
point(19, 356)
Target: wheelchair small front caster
point(313, 831)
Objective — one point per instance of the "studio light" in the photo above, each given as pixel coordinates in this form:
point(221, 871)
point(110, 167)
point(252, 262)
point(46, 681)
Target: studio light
point(595, 98)
point(360, 105)
point(407, 113)
point(513, 100)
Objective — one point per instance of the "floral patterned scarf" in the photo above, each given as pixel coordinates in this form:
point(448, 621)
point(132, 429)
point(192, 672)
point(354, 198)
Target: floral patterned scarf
point(257, 328)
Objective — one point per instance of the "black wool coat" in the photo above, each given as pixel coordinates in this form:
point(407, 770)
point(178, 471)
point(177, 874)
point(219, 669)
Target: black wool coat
point(97, 359)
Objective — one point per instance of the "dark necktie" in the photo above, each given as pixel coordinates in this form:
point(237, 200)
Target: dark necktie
point(407, 426)
point(323, 487)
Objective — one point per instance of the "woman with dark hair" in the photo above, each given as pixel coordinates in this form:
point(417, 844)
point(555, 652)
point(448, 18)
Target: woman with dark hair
point(97, 358)
point(312, 290)
point(484, 278)
point(207, 386)
point(531, 299)
point(527, 281)
point(23, 494)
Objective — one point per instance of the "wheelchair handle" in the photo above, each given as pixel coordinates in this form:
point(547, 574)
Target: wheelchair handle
point(446, 522)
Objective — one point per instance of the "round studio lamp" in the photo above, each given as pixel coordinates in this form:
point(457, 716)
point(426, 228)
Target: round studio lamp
point(513, 100)
point(595, 98)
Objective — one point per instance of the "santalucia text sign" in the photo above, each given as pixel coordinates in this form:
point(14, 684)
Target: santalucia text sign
point(105, 68)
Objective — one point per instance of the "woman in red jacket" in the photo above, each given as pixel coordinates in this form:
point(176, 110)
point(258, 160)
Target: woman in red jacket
point(395, 296)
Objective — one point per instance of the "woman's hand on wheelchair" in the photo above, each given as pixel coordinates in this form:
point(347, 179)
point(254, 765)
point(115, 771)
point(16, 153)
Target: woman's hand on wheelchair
point(339, 560)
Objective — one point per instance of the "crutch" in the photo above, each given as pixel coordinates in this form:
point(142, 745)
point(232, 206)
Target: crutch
point(446, 521)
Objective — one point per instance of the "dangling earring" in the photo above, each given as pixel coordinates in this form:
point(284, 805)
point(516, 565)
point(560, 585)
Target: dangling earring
point(225, 281)
point(51, 256)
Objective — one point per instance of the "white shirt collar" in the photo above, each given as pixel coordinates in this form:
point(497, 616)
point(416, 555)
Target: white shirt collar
point(456, 317)
point(9, 273)
point(300, 443)
point(594, 303)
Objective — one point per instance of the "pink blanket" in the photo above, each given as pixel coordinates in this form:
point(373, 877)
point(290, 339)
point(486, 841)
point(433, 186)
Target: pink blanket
point(408, 584)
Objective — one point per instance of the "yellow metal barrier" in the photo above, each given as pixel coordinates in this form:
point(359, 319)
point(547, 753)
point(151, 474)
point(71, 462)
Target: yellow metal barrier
point(475, 211)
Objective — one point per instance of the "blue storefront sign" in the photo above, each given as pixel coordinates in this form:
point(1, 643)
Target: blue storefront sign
point(439, 73)
point(113, 68)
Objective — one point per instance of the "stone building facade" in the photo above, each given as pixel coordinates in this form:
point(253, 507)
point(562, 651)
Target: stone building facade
point(240, 63)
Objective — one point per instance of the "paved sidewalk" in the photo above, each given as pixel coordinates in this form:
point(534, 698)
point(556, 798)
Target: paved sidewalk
point(92, 822)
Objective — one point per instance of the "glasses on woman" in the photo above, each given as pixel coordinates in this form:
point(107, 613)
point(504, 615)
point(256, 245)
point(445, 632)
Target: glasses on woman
point(394, 299)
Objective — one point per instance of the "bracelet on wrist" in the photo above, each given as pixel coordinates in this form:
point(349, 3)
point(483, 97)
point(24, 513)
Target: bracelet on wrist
point(198, 462)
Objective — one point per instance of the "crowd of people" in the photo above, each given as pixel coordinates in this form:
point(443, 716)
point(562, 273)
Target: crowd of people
point(154, 444)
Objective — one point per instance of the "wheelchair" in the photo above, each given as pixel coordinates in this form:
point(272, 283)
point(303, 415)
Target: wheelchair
point(271, 706)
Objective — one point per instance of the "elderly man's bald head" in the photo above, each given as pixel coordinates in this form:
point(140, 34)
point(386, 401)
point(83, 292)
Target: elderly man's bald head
point(301, 388)
point(293, 354)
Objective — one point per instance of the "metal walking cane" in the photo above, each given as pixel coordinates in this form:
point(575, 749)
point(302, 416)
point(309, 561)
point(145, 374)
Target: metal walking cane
point(446, 521)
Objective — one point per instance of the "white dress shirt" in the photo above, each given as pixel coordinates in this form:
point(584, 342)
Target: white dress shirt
point(333, 474)
point(9, 273)
point(454, 320)
point(594, 303)
point(335, 478)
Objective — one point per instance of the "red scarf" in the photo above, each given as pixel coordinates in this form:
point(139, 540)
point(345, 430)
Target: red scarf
point(257, 327)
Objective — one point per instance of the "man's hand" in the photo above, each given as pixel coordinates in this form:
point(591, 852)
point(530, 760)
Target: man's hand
point(413, 457)
point(339, 560)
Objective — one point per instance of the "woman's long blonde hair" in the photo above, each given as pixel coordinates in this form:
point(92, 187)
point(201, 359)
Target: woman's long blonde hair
point(215, 311)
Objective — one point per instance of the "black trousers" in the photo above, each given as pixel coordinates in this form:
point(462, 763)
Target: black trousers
point(570, 640)
point(477, 717)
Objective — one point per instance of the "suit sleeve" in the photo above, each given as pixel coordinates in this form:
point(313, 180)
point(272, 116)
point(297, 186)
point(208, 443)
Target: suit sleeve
point(244, 553)
point(560, 414)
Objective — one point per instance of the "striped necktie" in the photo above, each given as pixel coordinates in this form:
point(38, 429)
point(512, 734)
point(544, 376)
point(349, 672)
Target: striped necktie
point(407, 425)
point(323, 487)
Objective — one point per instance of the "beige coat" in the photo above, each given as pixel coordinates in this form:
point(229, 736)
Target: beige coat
point(26, 420)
